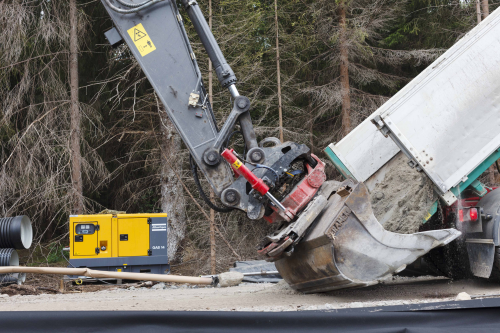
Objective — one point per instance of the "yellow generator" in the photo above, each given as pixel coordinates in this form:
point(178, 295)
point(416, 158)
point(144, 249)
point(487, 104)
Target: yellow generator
point(122, 242)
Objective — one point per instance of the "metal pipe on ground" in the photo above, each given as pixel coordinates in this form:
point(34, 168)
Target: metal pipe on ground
point(114, 275)
point(16, 232)
point(263, 273)
point(230, 279)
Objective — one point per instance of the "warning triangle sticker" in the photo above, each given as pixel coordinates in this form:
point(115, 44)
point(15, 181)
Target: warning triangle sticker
point(141, 39)
point(138, 34)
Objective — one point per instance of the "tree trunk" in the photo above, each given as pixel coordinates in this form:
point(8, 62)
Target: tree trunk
point(213, 262)
point(496, 172)
point(344, 71)
point(492, 175)
point(486, 8)
point(172, 196)
point(478, 11)
point(278, 70)
point(311, 126)
point(75, 130)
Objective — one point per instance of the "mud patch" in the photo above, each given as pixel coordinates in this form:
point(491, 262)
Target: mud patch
point(400, 201)
point(15, 289)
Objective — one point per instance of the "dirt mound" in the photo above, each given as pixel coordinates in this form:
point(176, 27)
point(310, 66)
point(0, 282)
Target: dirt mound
point(15, 289)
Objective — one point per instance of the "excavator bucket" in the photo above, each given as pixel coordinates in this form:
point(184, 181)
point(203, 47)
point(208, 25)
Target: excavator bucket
point(347, 247)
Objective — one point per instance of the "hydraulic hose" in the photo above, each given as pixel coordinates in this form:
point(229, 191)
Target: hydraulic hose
point(133, 5)
point(194, 171)
point(134, 9)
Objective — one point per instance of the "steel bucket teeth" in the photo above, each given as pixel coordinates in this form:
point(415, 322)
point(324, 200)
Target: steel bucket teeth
point(347, 247)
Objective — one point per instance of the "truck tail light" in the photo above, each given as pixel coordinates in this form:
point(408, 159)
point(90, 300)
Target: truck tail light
point(473, 214)
point(468, 215)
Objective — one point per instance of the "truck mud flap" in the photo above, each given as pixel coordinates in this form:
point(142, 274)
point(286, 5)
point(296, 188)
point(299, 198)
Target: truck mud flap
point(347, 247)
point(481, 254)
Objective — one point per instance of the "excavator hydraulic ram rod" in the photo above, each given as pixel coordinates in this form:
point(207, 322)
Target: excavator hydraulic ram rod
point(240, 168)
point(257, 183)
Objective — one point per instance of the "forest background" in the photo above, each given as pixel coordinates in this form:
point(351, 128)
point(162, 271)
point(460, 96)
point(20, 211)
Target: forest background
point(81, 129)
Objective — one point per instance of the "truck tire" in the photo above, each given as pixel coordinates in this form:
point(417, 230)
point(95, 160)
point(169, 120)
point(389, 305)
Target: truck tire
point(451, 260)
point(491, 206)
point(495, 272)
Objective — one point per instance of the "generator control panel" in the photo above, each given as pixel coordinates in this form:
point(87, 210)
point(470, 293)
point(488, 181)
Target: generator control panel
point(85, 229)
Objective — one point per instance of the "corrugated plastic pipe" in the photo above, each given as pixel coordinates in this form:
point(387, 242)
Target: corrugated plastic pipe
point(9, 257)
point(16, 232)
point(11, 278)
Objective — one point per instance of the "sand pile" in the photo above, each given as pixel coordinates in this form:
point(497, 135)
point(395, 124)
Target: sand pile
point(401, 200)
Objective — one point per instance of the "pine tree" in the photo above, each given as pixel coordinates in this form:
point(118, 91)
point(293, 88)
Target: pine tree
point(75, 123)
point(358, 70)
point(35, 119)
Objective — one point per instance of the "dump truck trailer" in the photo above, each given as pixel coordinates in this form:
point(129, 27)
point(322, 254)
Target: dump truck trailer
point(446, 123)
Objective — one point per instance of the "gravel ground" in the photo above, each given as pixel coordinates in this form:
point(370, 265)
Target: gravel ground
point(251, 297)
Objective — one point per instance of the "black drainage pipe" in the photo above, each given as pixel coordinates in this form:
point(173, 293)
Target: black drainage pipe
point(9, 257)
point(6, 279)
point(16, 232)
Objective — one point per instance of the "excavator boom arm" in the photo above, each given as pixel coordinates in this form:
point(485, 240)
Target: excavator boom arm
point(155, 34)
point(158, 40)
